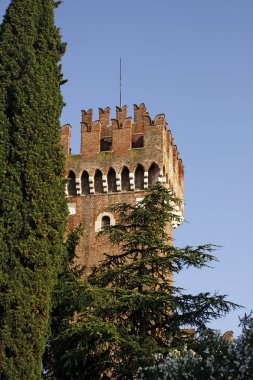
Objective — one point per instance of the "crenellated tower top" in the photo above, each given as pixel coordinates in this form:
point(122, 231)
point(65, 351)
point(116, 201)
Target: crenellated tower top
point(119, 160)
point(106, 129)
point(126, 141)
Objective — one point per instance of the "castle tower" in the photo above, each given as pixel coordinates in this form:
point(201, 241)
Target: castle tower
point(119, 160)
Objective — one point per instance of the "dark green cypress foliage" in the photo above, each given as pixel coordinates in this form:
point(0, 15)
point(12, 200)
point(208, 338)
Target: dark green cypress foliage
point(32, 202)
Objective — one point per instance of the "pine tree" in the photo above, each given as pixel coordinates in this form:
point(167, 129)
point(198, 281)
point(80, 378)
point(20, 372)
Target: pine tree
point(131, 311)
point(78, 348)
point(151, 310)
point(32, 202)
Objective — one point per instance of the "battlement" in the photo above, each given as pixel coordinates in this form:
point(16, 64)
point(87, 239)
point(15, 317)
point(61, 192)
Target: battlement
point(121, 114)
point(118, 135)
point(141, 118)
point(137, 141)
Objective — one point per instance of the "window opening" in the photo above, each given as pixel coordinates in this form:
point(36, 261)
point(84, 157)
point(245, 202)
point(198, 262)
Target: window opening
point(85, 183)
point(105, 144)
point(125, 180)
point(137, 140)
point(106, 221)
point(139, 178)
point(111, 179)
point(137, 135)
point(153, 174)
point(98, 182)
point(71, 184)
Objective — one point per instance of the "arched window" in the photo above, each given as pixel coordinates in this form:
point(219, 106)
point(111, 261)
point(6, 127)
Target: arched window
point(106, 221)
point(153, 174)
point(98, 183)
point(125, 180)
point(71, 183)
point(85, 183)
point(111, 180)
point(139, 178)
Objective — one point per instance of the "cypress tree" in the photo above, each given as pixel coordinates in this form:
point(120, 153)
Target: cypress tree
point(32, 201)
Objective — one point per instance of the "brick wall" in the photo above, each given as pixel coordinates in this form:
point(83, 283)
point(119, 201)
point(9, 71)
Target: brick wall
point(109, 145)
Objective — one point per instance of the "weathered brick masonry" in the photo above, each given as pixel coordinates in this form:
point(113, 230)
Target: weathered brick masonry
point(119, 159)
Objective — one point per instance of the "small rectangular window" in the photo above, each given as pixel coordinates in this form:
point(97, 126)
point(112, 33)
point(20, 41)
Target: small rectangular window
point(105, 144)
point(137, 140)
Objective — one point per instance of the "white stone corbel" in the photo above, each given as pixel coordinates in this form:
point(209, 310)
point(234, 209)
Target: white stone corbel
point(91, 184)
point(105, 183)
point(78, 186)
point(145, 180)
point(131, 180)
point(160, 177)
point(118, 182)
point(179, 217)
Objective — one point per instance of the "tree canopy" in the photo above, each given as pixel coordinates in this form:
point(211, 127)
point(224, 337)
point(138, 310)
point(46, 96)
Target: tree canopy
point(209, 356)
point(130, 311)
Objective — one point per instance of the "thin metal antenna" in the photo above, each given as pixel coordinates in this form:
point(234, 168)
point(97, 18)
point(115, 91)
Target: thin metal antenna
point(120, 82)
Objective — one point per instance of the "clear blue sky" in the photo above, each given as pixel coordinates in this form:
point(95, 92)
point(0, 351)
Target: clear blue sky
point(192, 60)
